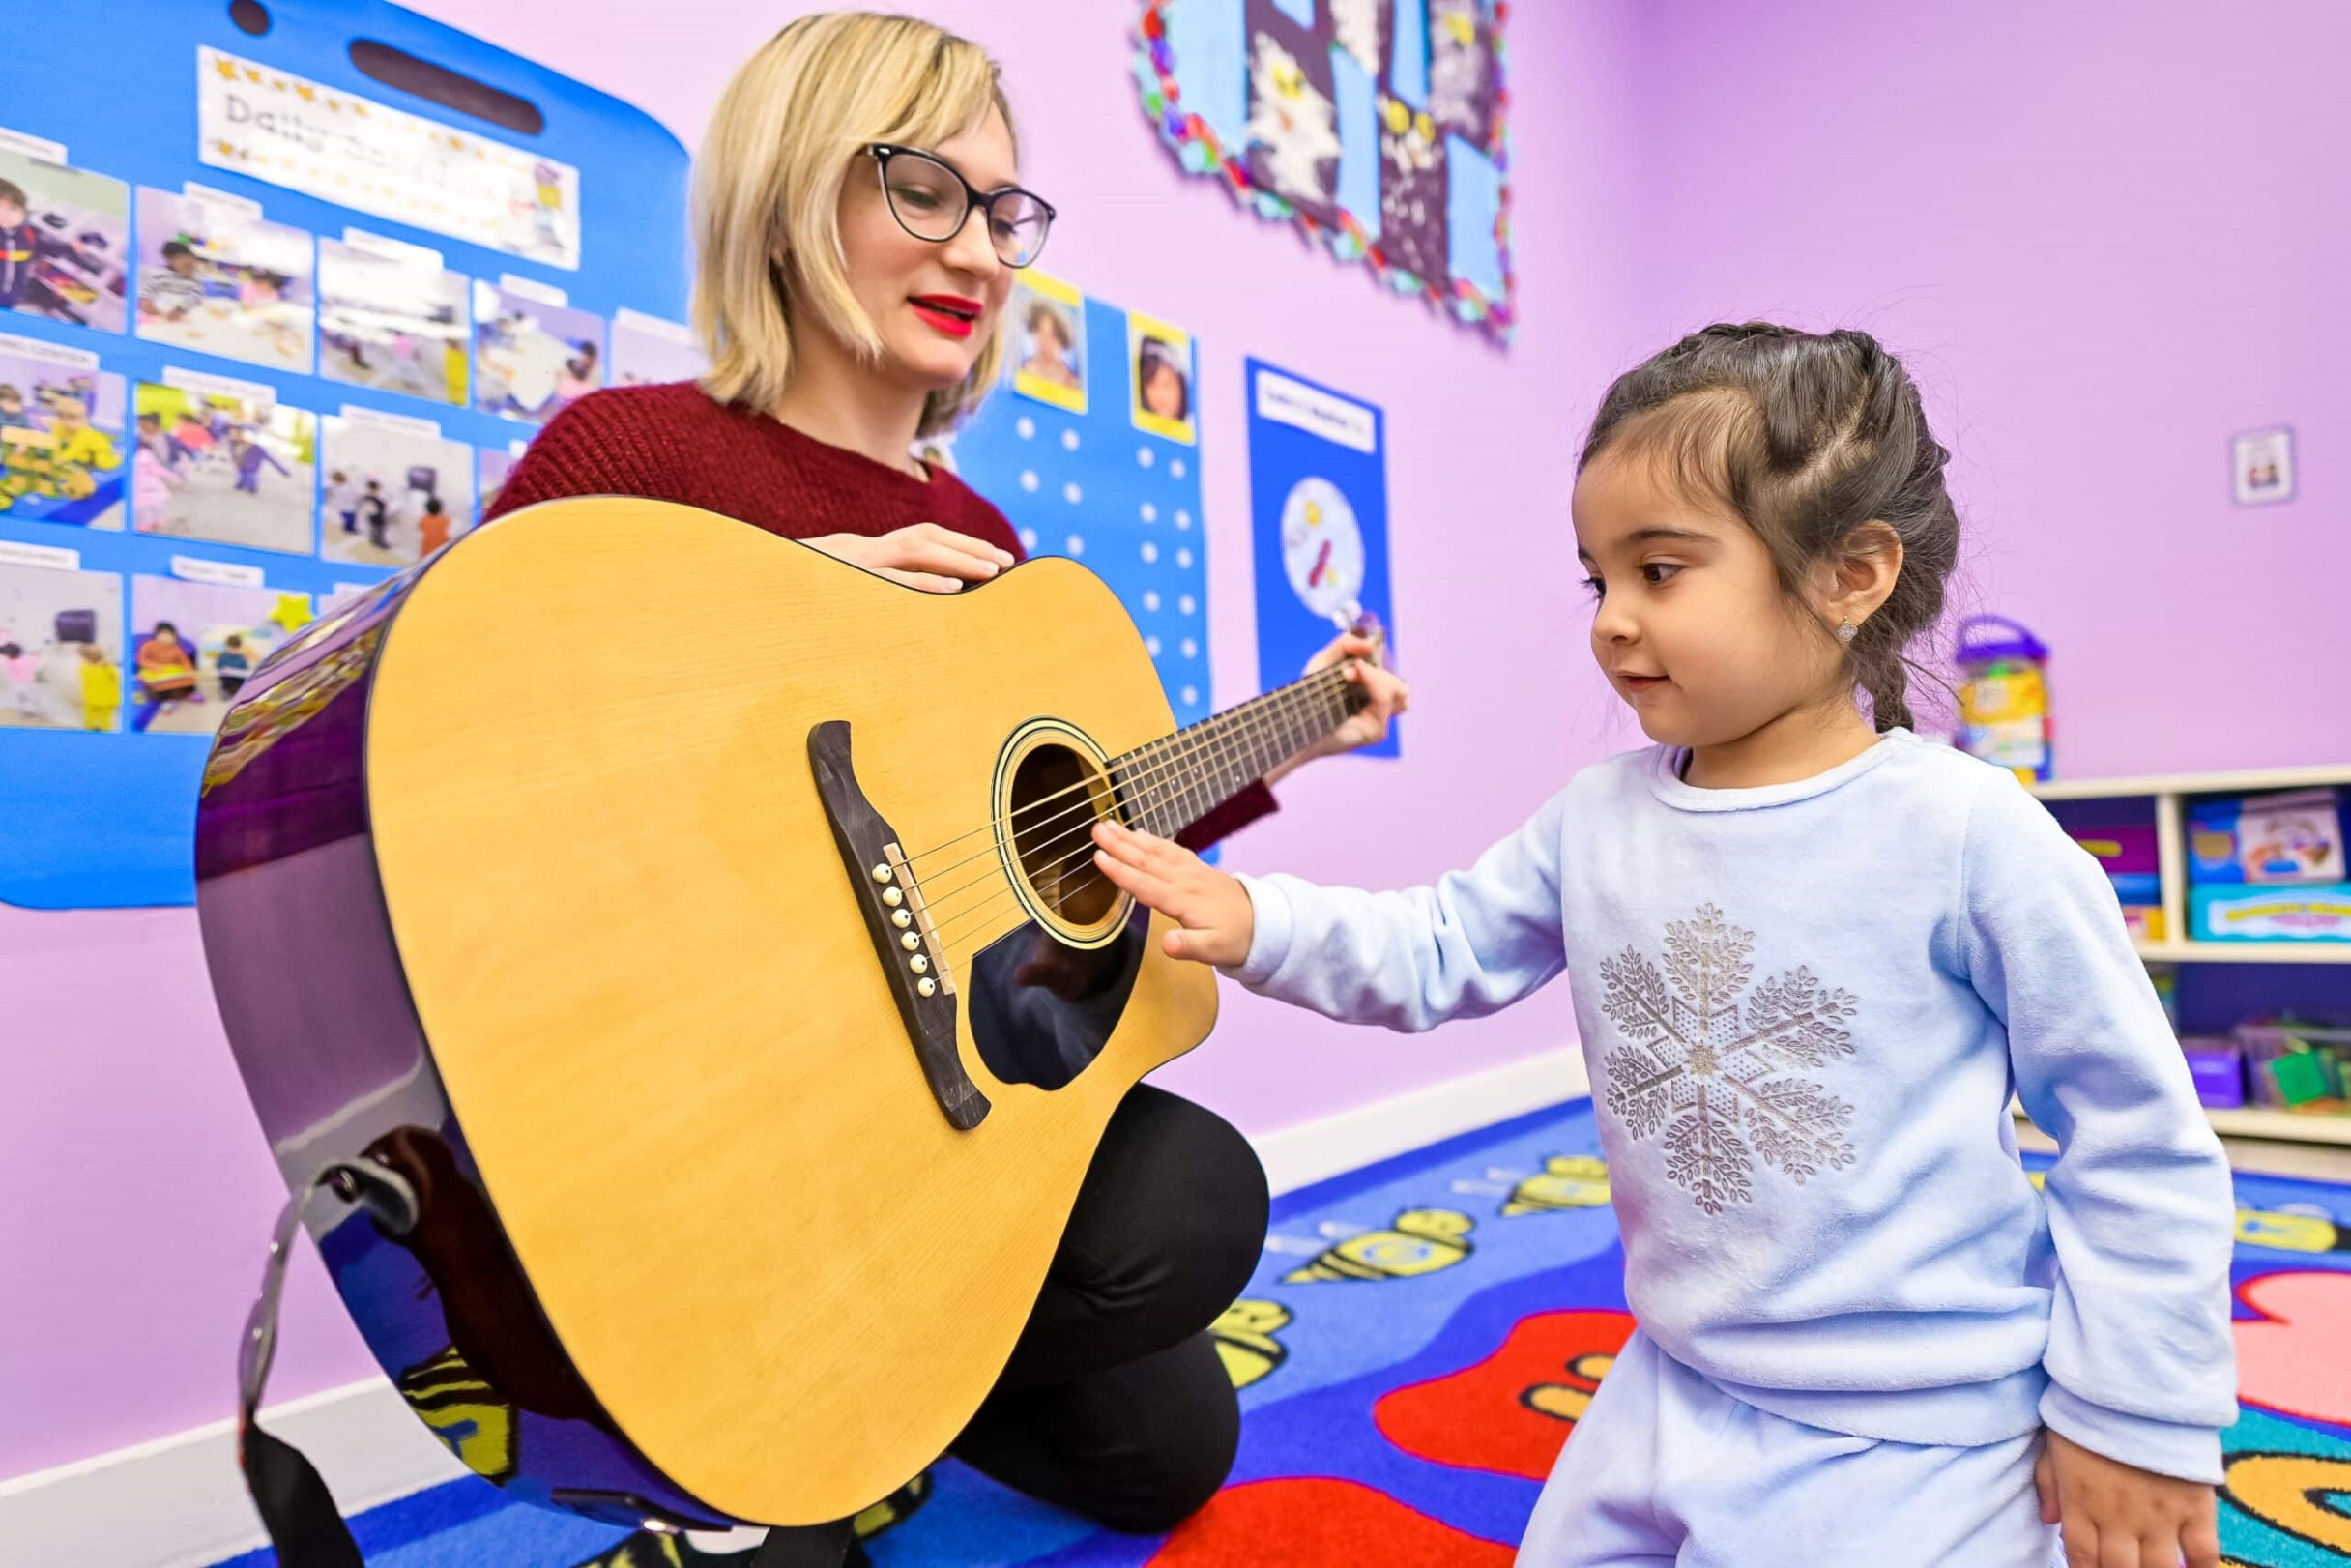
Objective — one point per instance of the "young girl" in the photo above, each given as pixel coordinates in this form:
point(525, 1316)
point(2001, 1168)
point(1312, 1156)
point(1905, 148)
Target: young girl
point(1812, 956)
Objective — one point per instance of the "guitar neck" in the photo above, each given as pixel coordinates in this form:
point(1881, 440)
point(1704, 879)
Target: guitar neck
point(1173, 783)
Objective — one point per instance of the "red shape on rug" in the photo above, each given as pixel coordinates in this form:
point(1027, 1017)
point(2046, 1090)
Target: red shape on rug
point(1511, 1413)
point(1320, 1521)
point(2291, 1359)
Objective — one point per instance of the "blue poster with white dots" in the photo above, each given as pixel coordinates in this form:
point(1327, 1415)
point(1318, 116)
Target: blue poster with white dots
point(1318, 502)
point(1099, 488)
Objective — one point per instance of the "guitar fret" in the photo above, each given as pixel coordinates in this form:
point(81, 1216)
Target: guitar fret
point(1172, 782)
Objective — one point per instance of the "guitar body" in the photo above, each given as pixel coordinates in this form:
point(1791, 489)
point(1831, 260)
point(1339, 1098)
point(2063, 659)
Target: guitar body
point(518, 876)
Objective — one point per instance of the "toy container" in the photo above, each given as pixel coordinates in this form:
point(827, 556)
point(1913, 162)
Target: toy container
point(2289, 1064)
point(2004, 696)
point(2122, 848)
point(2292, 837)
point(2216, 1064)
point(2221, 913)
point(2137, 888)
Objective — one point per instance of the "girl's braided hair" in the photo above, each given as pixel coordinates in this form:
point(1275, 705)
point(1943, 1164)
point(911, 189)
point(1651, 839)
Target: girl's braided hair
point(1807, 437)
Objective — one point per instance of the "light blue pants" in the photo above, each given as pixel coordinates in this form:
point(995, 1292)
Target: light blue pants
point(1667, 1468)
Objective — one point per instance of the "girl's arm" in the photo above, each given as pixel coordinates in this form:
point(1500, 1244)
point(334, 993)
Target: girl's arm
point(1474, 943)
point(2140, 1357)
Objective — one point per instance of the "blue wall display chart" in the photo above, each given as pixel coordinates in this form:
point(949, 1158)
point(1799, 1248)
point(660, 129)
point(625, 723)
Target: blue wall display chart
point(560, 235)
point(1319, 510)
point(1123, 502)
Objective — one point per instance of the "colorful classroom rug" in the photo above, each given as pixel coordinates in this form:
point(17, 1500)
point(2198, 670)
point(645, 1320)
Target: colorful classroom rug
point(1418, 1340)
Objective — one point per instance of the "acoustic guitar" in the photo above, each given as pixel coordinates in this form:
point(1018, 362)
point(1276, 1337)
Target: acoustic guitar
point(706, 931)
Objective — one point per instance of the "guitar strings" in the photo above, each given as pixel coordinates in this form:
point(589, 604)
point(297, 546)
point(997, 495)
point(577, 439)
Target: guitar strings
point(1001, 890)
point(1193, 739)
point(1191, 745)
point(1151, 796)
point(1080, 835)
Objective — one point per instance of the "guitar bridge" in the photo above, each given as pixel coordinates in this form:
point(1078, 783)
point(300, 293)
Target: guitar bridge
point(905, 940)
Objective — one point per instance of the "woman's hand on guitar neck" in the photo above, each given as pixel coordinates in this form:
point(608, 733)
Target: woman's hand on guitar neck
point(926, 556)
point(1388, 697)
point(1212, 909)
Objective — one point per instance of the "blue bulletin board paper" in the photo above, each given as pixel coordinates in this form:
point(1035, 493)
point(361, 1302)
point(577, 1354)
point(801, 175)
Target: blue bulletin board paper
point(1319, 511)
point(1124, 503)
point(100, 815)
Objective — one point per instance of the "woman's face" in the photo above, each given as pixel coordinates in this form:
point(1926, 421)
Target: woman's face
point(934, 304)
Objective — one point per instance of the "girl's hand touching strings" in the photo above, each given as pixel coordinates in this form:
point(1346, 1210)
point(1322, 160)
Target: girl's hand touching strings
point(1212, 908)
point(2116, 1516)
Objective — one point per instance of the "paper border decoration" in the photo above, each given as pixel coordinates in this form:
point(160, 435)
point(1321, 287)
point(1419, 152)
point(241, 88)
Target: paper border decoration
point(1392, 107)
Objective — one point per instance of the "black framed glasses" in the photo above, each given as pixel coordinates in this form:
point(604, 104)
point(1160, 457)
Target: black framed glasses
point(931, 201)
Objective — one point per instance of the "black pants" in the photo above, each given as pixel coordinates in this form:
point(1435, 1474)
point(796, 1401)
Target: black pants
point(1115, 1404)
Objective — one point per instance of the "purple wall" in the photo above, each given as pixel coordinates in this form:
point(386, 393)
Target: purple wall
point(139, 1188)
point(2106, 236)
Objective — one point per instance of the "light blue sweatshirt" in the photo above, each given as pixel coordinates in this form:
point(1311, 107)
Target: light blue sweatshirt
point(1804, 1007)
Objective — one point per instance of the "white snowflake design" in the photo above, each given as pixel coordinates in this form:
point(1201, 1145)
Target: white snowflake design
point(1713, 1072)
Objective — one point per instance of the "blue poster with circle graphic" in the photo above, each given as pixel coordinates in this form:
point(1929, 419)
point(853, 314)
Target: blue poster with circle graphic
point(1319, 505)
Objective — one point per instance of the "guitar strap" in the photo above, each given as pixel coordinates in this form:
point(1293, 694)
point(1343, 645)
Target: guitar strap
point(296, 1508)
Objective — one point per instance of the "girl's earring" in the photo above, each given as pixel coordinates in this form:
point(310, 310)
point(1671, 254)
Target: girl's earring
point(1845, 632)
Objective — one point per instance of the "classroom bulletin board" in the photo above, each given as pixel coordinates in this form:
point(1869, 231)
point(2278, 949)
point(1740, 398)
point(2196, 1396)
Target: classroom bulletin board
point(283, 290)
point(1379, 129)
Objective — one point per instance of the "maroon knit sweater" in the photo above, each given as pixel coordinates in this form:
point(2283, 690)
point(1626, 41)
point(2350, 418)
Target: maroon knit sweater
point(673, 443)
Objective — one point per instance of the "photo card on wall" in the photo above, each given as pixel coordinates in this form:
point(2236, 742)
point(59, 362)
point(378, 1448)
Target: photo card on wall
point(1159, 358)
point(534, 354)
point(217, 276)
point(65, 242)
point(2263, 461)
point(195, 643)
point(61, 644)
point(393, 317)
point(63, 455)
point(221, 459)
point(646, 350)
point(1047, 350)
point(396, 489)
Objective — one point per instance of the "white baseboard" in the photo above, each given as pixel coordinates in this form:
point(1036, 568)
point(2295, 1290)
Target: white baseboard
point(1314, 1150)
point(178, 1502)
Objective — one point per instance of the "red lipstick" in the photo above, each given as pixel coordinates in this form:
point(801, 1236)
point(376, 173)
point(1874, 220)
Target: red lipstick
point(950, 313)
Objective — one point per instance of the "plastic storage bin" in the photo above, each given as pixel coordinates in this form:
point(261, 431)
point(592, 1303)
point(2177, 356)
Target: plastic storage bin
point(2287, 1065)
point(2216, 1064)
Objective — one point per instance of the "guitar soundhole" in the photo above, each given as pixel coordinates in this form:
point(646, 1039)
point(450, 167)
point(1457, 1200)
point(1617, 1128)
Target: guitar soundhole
point(1041, 1010)
point(1056, 795)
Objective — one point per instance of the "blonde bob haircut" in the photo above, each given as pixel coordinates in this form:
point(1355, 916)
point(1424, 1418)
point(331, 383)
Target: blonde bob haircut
point(789, 128)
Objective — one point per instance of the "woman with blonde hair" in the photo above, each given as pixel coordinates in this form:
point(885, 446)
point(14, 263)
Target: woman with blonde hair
point(851, 308)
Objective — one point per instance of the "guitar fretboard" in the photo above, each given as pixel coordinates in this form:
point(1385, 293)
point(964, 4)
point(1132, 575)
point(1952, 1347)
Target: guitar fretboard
point(1171, 784)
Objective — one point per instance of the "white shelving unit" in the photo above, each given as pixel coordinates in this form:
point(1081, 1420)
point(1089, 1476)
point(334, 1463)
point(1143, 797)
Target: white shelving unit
point(2170, 794)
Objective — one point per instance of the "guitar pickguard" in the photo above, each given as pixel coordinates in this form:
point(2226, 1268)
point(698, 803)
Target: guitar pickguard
point(911, 961)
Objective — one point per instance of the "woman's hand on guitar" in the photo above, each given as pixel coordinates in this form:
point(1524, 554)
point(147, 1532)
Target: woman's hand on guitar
point(1212, 909)
point(1389, 696)
point(926, 556)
